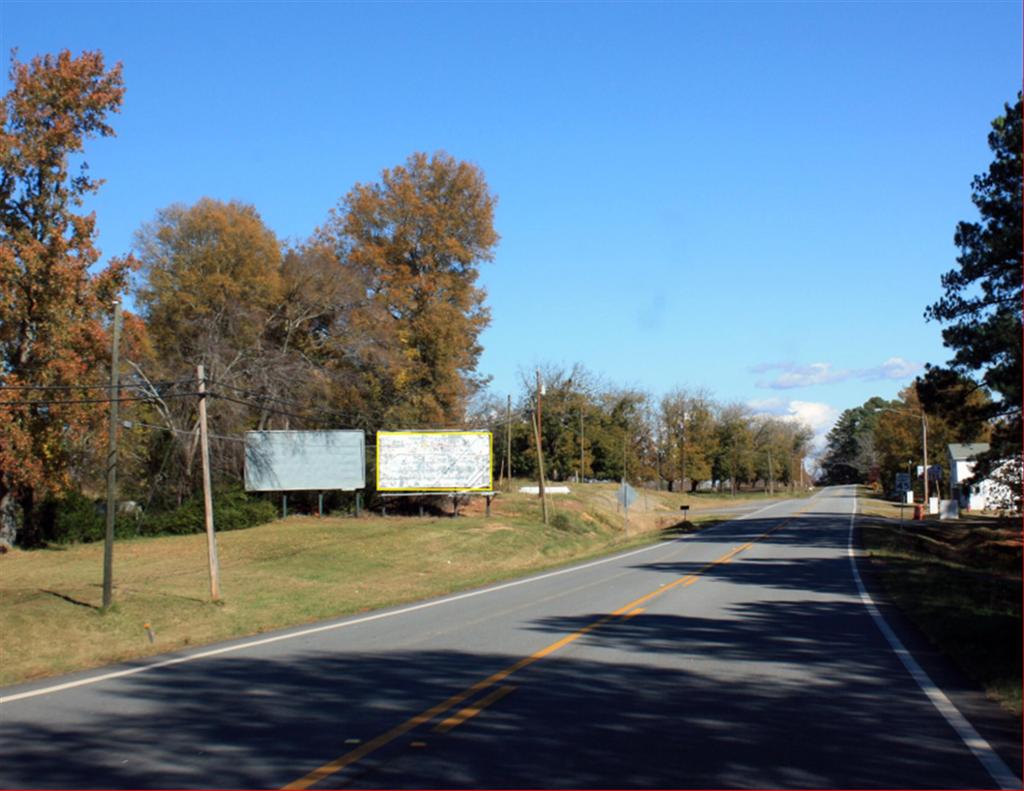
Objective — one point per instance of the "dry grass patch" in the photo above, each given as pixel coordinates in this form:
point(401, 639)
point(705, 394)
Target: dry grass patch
point(960, 582)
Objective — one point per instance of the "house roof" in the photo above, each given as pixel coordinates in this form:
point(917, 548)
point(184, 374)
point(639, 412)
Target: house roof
point(967, 451)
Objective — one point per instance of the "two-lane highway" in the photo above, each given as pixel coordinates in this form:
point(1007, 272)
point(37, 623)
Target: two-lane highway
point(746, 655)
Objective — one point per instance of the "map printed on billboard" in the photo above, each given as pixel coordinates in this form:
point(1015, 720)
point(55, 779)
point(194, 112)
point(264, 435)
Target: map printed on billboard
point(289, 461)
point(434, 461)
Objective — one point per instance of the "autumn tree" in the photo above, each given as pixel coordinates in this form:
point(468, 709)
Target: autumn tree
point(897, 435)
point(52, 307)
point(417, 239)
point(211, 292)
point(982, 302)
point(734, 458)
point(779, 445)
point(689, 431)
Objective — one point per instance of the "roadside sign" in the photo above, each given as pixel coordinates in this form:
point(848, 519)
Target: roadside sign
point(289, 461)
point(626, 495)
point(434, 461)
point(902, 482)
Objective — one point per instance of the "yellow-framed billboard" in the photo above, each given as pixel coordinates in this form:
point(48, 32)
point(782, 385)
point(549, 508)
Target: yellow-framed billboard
point(435, 461)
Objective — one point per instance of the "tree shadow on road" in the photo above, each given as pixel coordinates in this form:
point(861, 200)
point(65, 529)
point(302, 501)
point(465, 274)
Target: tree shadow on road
point(666, 701)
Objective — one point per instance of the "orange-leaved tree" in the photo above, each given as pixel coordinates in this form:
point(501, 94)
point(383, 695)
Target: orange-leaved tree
point(53, 333)
point(417, 239)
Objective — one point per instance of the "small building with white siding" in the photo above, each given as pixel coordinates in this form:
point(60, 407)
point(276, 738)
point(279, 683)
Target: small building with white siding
point(984, 495)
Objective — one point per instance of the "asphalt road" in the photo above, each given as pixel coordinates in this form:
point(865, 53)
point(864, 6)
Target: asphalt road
point(741, 656)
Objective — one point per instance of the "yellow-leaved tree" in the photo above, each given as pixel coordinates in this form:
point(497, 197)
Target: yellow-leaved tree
point(416, 240)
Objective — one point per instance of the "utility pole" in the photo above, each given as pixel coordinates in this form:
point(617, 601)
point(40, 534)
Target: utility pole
point(115, 389)
point(771, 475)
point(682, 452)
point(735, 464)
point(924, 446)
point(582, 462)
point(508, 439)
point(540, 454)
point(540, 392)
point(211, 541)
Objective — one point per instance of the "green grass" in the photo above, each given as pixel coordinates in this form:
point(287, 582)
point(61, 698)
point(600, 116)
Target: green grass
point(295, 571)
point(960, 582)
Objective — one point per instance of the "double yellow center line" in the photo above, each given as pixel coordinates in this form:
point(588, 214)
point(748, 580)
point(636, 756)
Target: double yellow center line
point(424, 717)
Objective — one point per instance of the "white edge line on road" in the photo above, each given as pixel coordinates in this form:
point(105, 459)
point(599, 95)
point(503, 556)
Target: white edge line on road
point(332, 626)
point(975, 742)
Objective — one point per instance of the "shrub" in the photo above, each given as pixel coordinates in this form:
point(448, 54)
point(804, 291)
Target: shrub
point(561, 521)
point(233, 509)
point(74, 518)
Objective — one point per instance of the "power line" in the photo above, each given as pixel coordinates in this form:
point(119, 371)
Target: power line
point(262, 397)
point(134, 423)
point(120, 399)
point(272, 410)
point(93, 387)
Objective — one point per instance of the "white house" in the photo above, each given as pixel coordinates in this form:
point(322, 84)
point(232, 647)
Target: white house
point(985, 495)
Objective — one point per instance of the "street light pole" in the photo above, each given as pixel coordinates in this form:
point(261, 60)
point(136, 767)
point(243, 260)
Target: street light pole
point(924, 440)
point(924, 445)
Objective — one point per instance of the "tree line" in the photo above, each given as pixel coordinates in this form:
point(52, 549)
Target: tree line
point(591, 429)
point(371, 322)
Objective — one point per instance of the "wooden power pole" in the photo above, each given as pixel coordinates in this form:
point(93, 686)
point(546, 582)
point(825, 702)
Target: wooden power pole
point(108, 542)
point(540, 455)
point(582, 457)
point(508, 438)
point(204, 452)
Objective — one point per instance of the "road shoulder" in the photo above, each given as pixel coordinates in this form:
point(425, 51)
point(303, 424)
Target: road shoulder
point(1000, 728)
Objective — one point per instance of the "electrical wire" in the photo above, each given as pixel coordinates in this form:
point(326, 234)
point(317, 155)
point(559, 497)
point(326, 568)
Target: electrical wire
point(262, 397)
point(272, 410)
point(121, 399)
point(257, 401)
point(189, 432)
point(95, 387)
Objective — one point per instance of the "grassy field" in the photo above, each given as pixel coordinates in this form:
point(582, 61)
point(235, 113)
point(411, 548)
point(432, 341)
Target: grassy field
point(299, 570)
point(960, 582)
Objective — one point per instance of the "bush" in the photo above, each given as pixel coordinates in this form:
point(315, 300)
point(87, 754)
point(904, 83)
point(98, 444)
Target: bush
point(233, 509)
point(75, 518)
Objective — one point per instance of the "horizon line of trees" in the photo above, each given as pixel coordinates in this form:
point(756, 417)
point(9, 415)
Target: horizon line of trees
point(593, 430)
point(373, 321)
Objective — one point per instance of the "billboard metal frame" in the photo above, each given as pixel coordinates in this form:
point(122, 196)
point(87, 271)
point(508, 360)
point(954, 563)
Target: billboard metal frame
point(487, 489)
point(284, 489)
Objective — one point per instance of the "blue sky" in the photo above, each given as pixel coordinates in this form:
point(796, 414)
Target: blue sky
point(757, 199)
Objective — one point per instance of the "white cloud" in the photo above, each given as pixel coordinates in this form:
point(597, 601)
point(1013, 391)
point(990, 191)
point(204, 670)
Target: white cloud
point(793, 375)
point(817, 416)
point(893, 368)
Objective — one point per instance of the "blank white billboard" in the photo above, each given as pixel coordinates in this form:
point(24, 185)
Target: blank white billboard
point(289, 461)
point(434, 461)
